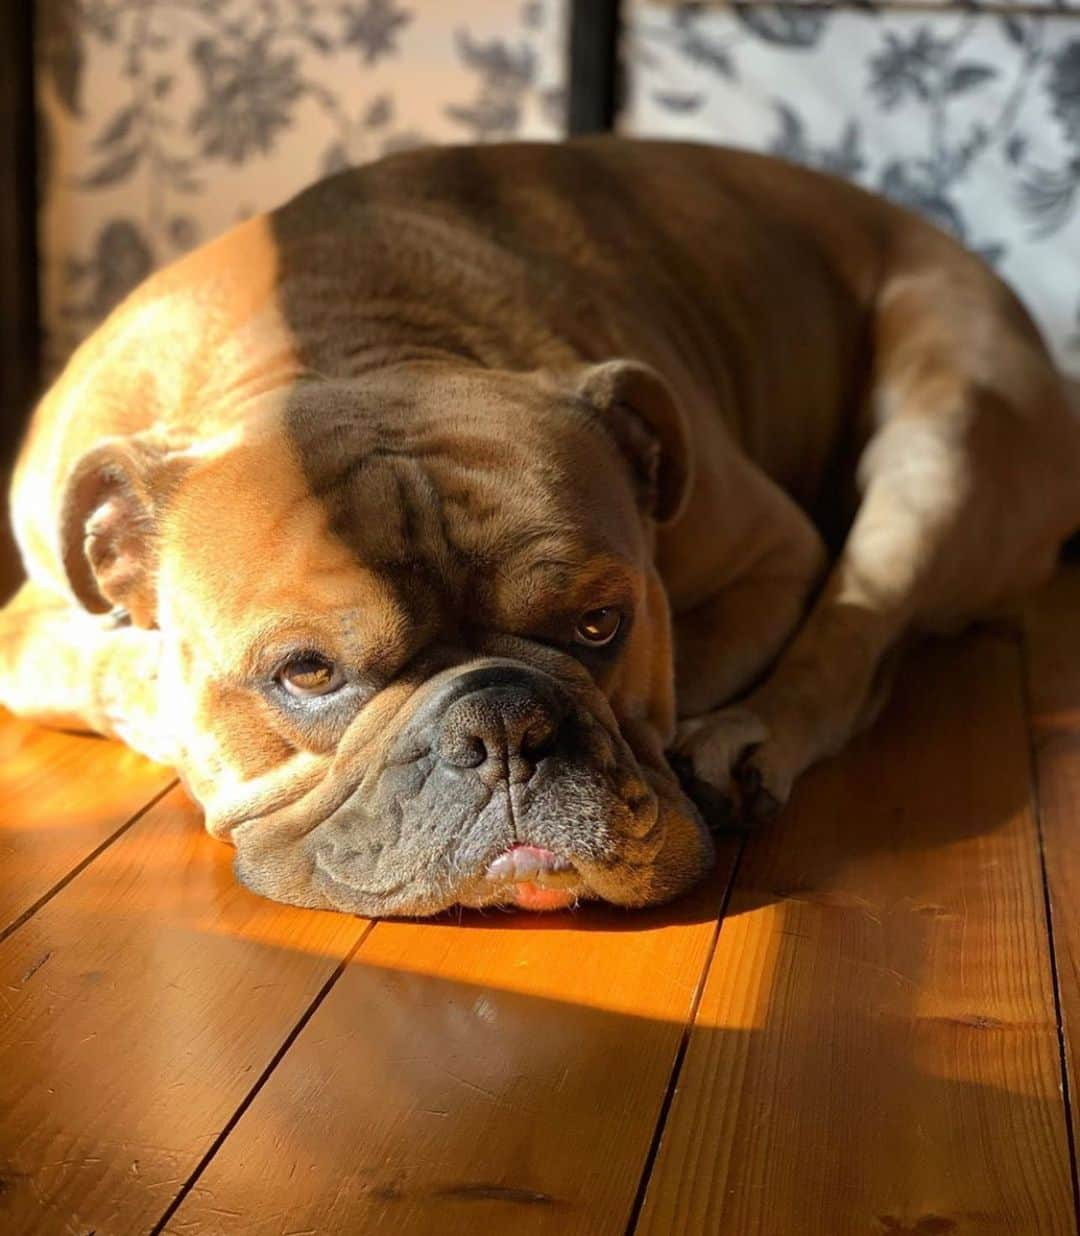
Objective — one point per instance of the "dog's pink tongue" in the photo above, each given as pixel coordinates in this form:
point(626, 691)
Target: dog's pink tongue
point(533, 897)
point(521, 862)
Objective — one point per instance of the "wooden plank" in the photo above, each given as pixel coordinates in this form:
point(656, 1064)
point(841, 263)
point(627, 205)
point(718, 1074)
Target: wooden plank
point(63, 796)
point(138, 1008)
point(503, 1075)
point(876, 1048)
point(1052, 625)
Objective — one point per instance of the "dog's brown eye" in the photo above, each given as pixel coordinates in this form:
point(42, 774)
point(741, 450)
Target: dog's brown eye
point(309, 674)
point(598, 627)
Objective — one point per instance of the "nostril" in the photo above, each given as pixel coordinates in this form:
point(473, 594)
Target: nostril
point(462, 750)
point(539, 737)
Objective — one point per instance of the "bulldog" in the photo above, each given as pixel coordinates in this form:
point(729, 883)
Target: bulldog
point(425, 523)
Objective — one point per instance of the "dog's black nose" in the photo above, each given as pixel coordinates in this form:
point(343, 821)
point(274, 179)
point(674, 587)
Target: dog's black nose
point(506, 722)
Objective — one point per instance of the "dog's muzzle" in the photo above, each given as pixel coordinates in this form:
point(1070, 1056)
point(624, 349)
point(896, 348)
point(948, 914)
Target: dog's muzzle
point(501, 788)
point(501, 724)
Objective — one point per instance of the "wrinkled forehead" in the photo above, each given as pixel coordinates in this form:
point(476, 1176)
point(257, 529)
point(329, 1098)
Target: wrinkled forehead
point(495, 452)
point(403, 505)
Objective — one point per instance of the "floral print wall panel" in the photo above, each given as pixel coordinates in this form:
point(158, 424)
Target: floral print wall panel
point(165, 121)
point(971, 117)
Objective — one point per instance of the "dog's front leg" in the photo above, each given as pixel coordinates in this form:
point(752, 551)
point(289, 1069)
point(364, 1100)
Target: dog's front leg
point(833, 675)
point(66, 668)
point(726, 645)
point(968, 487)
point(965, 502)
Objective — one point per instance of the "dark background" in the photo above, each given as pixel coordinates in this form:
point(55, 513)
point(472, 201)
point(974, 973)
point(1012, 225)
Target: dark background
point(19, 343)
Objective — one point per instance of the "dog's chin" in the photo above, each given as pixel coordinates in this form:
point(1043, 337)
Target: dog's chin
point(511, 874)
point(544, 894)
point(410, 842)
point(631, 857)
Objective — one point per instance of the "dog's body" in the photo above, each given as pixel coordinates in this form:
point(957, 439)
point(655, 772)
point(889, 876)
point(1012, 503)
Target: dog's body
point(408, 519)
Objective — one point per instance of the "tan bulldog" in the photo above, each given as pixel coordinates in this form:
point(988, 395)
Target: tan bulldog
point(415, 521)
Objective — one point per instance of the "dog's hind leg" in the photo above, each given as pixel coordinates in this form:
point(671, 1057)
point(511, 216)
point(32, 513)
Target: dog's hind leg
point(969, 482)
point(64, 667)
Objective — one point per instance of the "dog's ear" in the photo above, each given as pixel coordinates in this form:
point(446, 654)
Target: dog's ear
point(108, 529)
point(649, 427)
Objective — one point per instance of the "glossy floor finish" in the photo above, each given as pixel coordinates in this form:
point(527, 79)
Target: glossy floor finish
point(863, 1024)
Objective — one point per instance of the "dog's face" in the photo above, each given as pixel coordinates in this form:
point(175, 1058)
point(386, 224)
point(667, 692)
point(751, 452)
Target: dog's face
point(414, 649)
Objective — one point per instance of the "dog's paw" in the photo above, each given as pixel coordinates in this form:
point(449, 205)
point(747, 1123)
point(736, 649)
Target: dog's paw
point(719, 810)
point(715, 743)
point(726, 762)
point(764, 785)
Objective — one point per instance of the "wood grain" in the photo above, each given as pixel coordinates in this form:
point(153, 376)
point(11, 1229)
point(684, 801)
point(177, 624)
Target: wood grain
point(63, 796)
point(876, 1048)
point(138, 1008)
point(502, 1075)
point(1052, 631)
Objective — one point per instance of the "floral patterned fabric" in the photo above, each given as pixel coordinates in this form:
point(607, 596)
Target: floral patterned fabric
point(165, 121)
point(971, 118)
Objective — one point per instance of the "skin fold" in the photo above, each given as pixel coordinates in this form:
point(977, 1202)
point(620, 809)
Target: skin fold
point(552, 468)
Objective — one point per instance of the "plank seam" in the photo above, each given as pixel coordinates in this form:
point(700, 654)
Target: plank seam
point(1048, 912)
point(83, 863)
point(681, 1050)
point(261, 1081)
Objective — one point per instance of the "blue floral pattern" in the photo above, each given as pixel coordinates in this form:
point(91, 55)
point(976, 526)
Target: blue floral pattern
point(971, 118)
point(167, 120)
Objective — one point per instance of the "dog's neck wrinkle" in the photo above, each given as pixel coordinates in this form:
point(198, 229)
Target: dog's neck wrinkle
point(482, 301)
point(382, 337)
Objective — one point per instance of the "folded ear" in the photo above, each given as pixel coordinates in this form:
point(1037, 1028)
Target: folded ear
point(642, 416)
point(109, 529)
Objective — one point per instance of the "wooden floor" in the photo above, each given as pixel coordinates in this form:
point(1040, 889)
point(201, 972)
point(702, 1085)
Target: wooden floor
point(866, 1023)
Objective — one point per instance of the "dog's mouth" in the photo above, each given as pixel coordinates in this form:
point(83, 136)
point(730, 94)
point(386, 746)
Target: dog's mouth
point(533, 878)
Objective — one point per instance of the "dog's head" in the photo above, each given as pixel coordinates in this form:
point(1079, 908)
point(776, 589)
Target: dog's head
point(415, 652)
